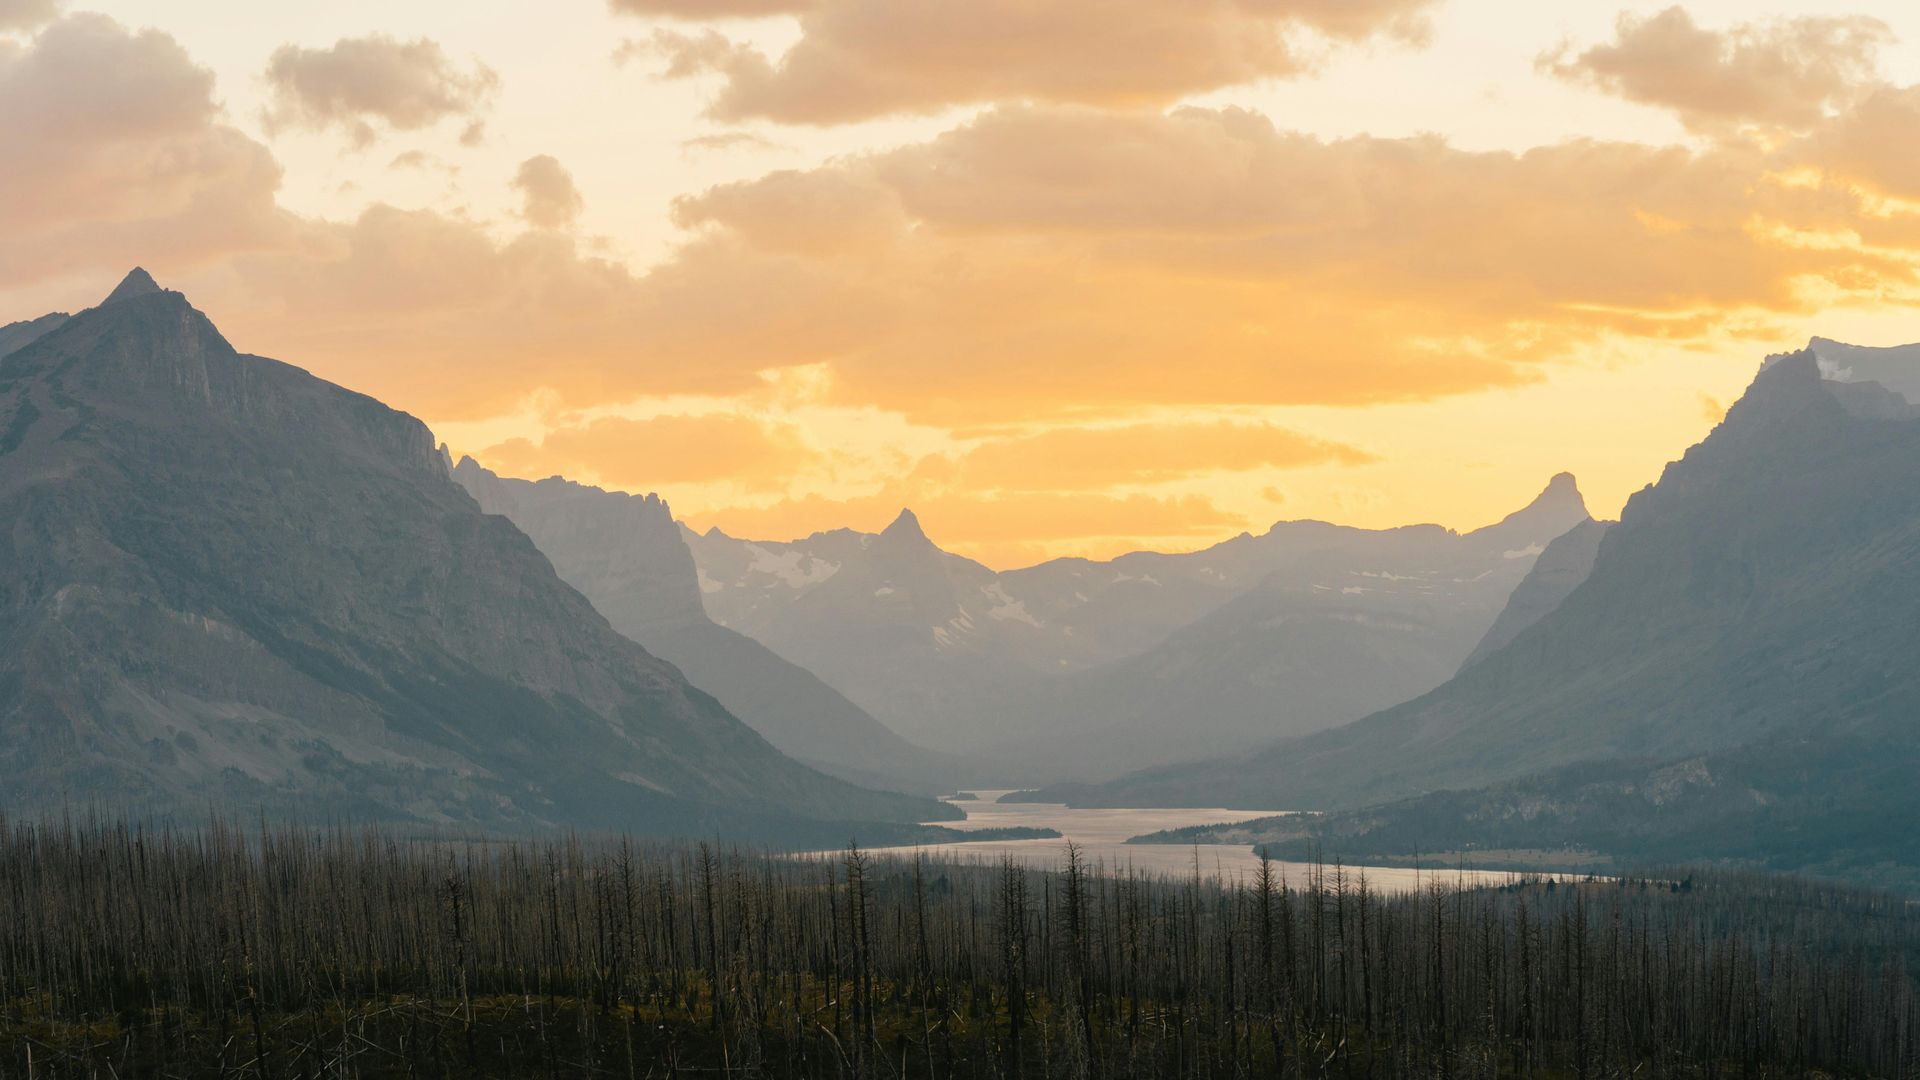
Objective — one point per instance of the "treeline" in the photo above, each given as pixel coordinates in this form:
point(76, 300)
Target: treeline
point(282, 953)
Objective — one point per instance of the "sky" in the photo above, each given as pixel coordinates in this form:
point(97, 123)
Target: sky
point(1068, 277)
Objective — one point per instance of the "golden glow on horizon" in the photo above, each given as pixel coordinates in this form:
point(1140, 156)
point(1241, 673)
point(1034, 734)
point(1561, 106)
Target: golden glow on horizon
point(1374, 263)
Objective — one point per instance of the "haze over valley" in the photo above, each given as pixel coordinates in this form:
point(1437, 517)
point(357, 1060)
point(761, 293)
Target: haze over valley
point(868, 539)
point(1716, 676)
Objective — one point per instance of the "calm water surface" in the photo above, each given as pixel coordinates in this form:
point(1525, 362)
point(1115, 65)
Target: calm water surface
point(1102, 835)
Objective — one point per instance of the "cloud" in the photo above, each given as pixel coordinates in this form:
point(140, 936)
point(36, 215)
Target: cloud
point(360, 85)
point(1873, 143)
point(730, 140)
point(548, 198)
point(1039, 288)
point(1122, 255)
point(423, 161)
point(709, 9)
point(1037, 263)
point(1712, 409)
point(431, 311)
point(1084, 458)
point(646, 453)
point(27, 14)
point(858, 59)
point(1785, 73)
point(116, 156)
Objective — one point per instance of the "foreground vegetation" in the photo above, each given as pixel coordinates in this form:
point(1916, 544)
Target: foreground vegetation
point(311, 953)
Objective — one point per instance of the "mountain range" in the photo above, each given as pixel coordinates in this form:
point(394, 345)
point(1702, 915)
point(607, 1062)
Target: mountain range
point(1732, 677)
point(225, 582)
point(1082, 668)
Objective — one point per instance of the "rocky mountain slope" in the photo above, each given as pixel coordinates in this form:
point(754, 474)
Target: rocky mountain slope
point(224, 582)
point(1762, 592)
point(626, 554)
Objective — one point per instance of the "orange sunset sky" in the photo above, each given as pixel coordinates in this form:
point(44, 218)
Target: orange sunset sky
point(1066, 276)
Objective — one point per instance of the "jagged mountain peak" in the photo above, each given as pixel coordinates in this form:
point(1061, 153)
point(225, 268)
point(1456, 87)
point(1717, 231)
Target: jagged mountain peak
point(137, 283)
point(1557, 508)
point(906, 527)
point(1562, 483)
point(1562, 492)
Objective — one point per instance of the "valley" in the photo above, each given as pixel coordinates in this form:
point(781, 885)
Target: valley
point(902, 540)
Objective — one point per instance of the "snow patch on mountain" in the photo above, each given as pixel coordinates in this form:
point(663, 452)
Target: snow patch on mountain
point(796, 569)
point(1006, 607)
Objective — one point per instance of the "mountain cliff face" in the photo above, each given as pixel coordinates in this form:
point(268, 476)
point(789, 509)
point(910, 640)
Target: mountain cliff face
point(626, 554)
point(224, 581)
point(1076, 668)
point(1761, 593)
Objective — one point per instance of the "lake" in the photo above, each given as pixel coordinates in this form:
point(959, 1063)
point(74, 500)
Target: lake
point(1102, 836)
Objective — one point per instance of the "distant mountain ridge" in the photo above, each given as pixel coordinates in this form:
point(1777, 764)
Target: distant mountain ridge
point(225, 581)
point(1895, 368)
point(1078, 667)
point(1347, 622)
point(626, 554)
point(19, 335)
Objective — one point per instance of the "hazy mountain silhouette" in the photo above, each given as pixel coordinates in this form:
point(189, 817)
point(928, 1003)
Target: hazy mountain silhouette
point(226, 582)
point(626, 554)
point(16, 336)
point(1346, 622)
point(1082, 668)
point(1896, 368)
point(1762, 593)
point(1558, 571)
point(914, 635)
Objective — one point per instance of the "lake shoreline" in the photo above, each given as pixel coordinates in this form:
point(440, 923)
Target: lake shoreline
point(1109, 841)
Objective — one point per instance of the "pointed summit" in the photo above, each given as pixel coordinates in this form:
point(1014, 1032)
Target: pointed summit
point(1560, 498)
point(137, 283)
point(1562, 490)
point(906, 527)
point(1557, 508)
